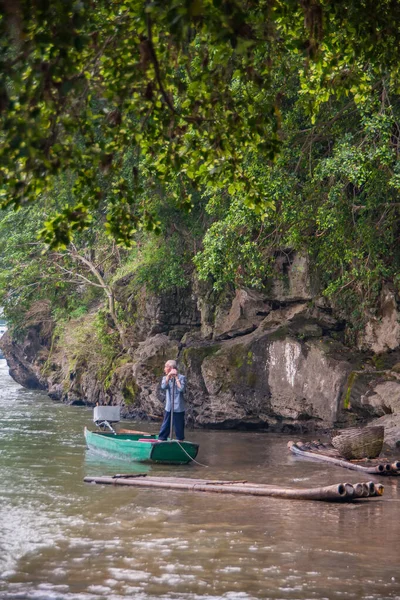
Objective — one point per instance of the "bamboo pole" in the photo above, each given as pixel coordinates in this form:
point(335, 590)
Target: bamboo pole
point(360, 490)
point(171, 433)
point(381, 469)
point(338, 492)
point(134, 431)
point(368, 489)
point(371, 488)
point(378, 489)
point(182, 479)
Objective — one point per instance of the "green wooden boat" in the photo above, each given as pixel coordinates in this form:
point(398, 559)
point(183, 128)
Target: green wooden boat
point(141, 448)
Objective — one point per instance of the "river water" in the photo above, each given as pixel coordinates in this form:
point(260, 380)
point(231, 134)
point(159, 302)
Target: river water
point(63, 539)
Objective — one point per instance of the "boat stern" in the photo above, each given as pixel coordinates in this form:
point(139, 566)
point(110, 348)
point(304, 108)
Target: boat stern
point(174, 452)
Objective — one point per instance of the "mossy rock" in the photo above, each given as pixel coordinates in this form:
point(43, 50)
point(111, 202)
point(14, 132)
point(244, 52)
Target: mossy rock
point(350, 383)
point(155, 364)
point(117, 364)
point(130, 392)
point(195, 355)
point(234, 365)
point(279, 334)
point(240, 356)
point(308, 330)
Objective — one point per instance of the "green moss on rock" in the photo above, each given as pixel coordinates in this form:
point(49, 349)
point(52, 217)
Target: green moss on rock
point(279, 334)
point(350, 383)
point(130, 392)
point(239, 356)
point(196, 355)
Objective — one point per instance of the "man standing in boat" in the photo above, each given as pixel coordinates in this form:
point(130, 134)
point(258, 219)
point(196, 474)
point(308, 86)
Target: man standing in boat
point(174, 384)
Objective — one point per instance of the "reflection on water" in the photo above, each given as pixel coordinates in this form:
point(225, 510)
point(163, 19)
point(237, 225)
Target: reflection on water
point(98, 463)
point(61, 539)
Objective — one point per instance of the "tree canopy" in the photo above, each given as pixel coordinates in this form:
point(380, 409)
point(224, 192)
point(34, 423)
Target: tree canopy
point(212, 133)
point(123, 96)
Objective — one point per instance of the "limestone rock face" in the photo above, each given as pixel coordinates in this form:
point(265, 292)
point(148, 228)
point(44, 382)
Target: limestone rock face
point(136, 384)
point(246, 312)
point(305, 383)
point(383, 401)
point(382, 333)
point(27, 358)
point(173, 312)
point(391, 423)
point(21, 366)
point(191, 360)
point(384, 398)
point(235, 382)
point(275, 360)
point(281, 384)
point(301, 320)
point(249, 363)
point(149, 360)
point(375, 395)
point(284, 315)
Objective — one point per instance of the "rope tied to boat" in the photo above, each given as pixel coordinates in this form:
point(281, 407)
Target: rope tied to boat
point(187, 454)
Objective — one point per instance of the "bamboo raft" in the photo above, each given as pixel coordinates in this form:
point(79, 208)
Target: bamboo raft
point(327, 453)
point(341, 492)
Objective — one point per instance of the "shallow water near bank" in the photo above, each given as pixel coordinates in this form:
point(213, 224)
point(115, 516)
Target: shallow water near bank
point(62, 539)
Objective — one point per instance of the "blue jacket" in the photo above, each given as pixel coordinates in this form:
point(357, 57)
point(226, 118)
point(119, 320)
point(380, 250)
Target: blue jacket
point(179, 401)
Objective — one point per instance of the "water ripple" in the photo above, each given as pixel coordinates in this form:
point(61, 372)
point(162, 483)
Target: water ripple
point(61, 539)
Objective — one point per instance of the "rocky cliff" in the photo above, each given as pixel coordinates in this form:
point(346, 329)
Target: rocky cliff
point(276, 361)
